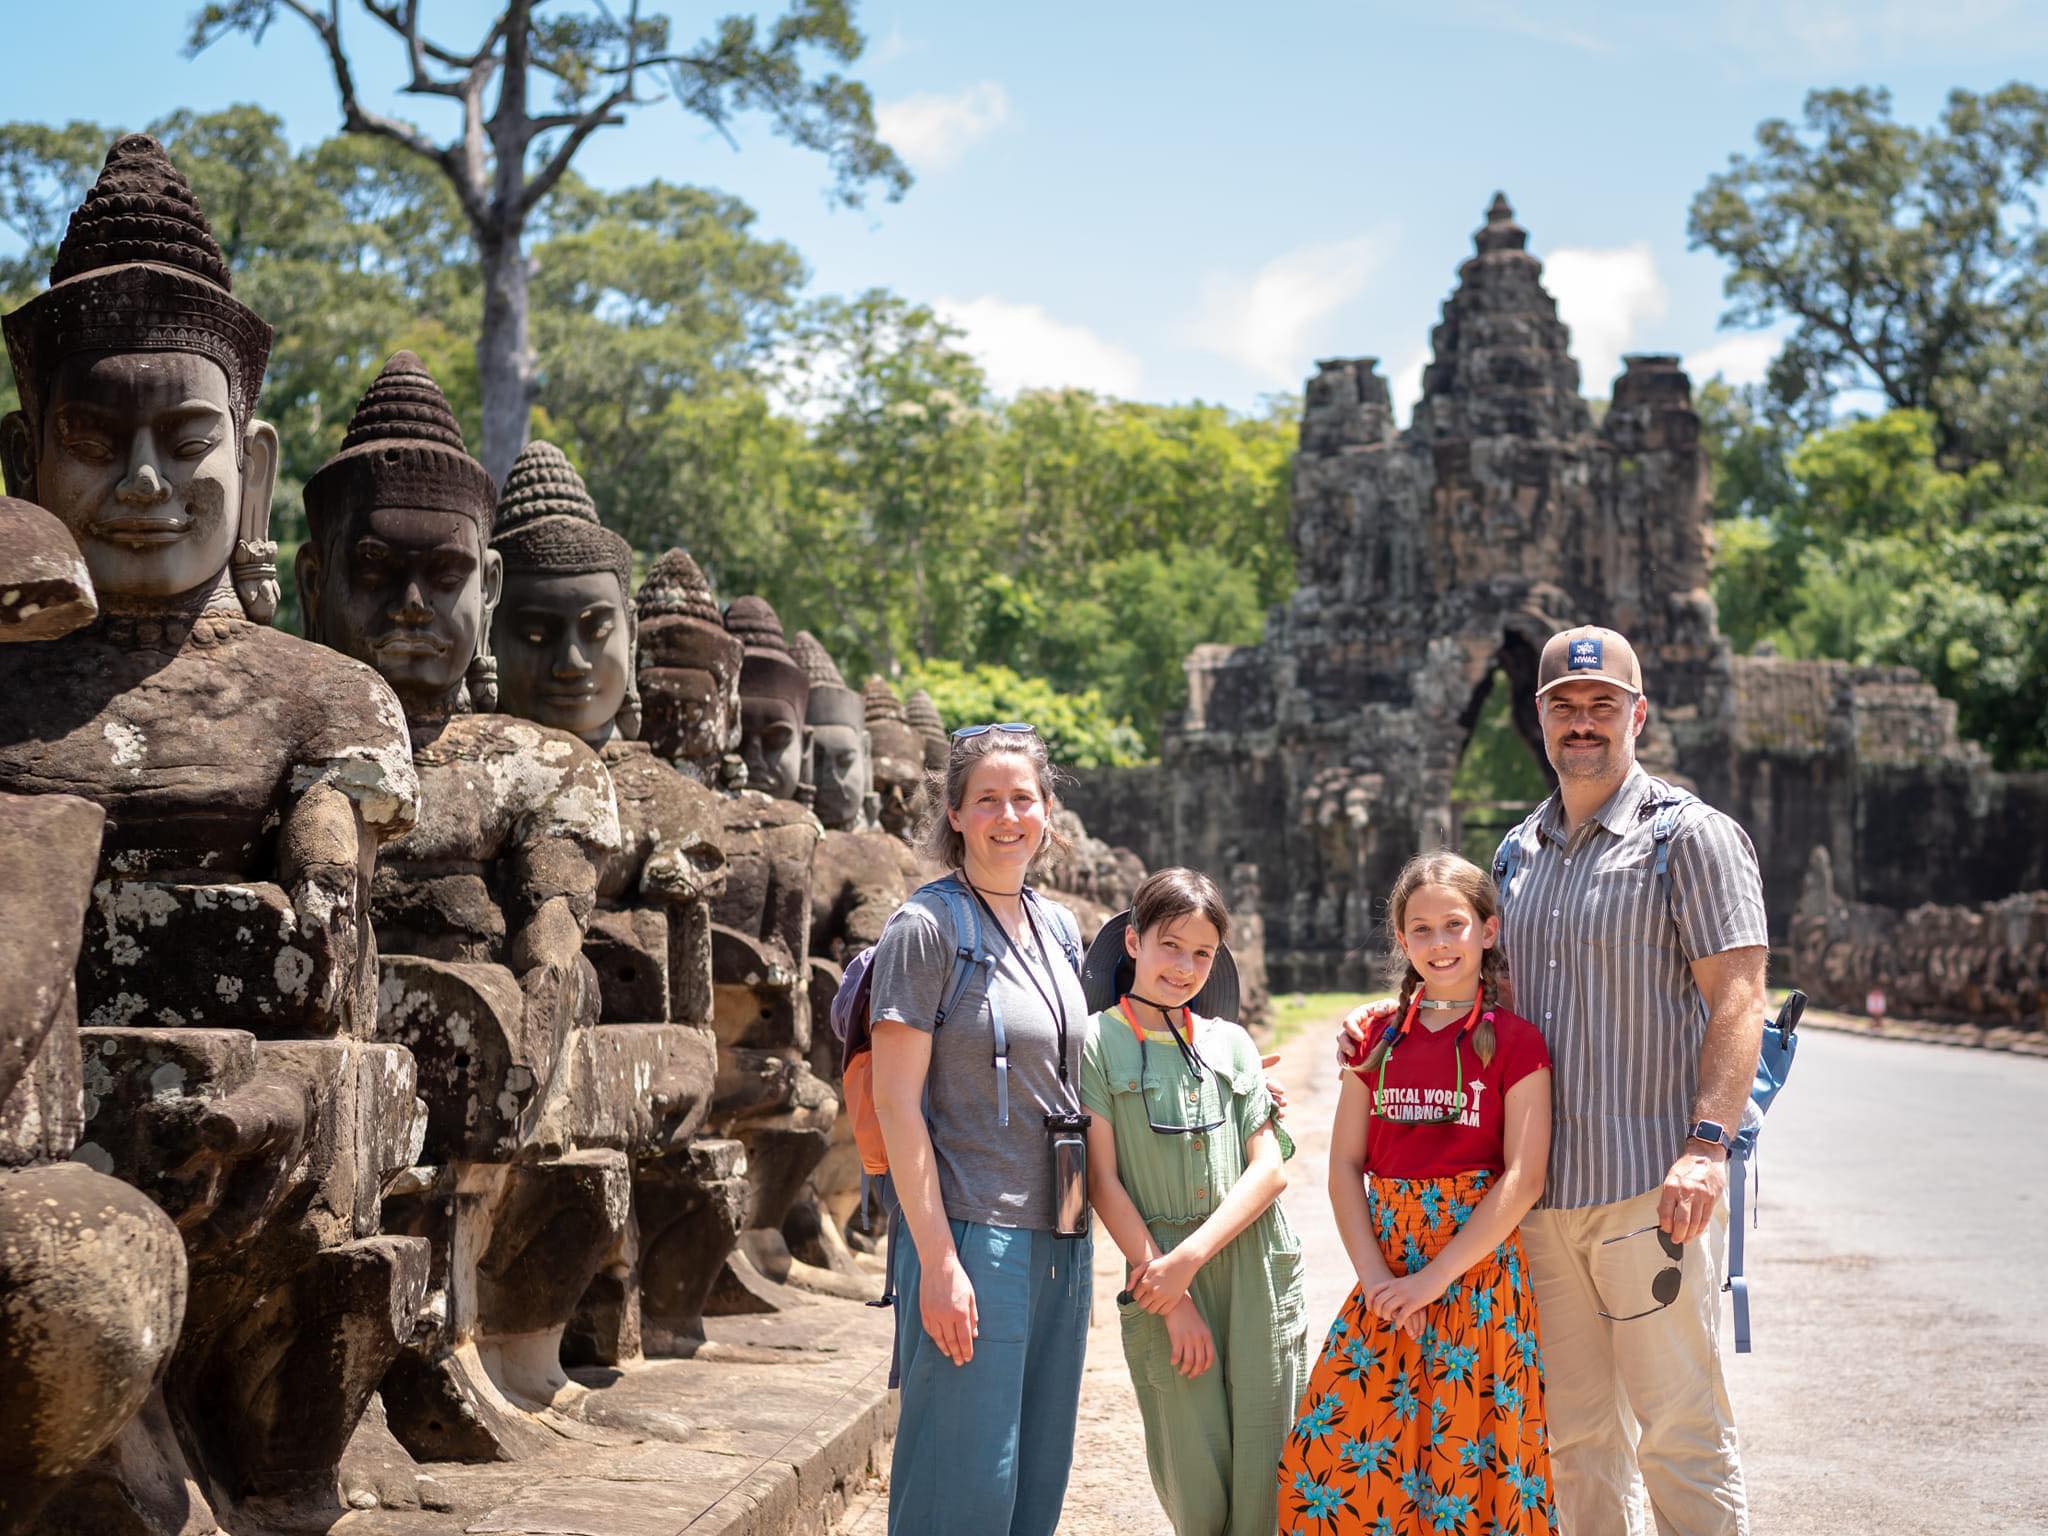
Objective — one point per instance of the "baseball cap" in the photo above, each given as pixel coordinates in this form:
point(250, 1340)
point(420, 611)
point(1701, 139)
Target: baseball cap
point(1588, 654)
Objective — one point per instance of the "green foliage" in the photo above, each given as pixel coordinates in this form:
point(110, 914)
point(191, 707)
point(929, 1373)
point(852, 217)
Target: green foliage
point(1077, 727)
point(1909, 261)
point(1497, 766)
point(1873, 552)
point(843, 458)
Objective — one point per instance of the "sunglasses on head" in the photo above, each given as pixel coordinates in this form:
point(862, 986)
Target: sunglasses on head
point(1016, 727)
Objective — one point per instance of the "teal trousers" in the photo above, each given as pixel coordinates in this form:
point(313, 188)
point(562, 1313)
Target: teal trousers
point(984, 1449)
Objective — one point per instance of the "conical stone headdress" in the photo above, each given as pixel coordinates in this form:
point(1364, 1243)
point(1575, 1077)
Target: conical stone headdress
point(881, 704)
point(680, 625)
point(831, 701)
point(547, 521)
point(923, 716)
point(403, 449)
point(138, 271)
point(768, 670)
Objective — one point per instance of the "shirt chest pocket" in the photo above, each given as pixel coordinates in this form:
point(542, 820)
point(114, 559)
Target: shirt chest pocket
point(1622, 909)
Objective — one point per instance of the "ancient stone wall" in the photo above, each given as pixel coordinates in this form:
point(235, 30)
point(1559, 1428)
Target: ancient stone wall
point(1433, 564)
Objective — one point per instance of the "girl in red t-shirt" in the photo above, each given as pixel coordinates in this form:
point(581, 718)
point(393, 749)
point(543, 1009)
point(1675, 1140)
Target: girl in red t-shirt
point(1425, 1412)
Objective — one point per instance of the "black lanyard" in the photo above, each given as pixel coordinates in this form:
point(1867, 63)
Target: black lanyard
point(1055, 1004)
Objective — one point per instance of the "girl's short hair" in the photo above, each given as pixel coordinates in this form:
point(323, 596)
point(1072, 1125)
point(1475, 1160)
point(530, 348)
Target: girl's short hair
point(946, 789)
point(1170, 894)
point(1475, 887)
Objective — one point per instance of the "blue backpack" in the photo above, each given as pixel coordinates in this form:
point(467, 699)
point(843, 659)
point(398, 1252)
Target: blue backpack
point(1774, 1062)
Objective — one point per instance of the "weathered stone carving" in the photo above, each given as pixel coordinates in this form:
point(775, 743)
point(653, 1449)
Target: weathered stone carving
point(774, 692)
point(1985, 964)
point(897, 758)
point(92, 1275)
point(643, 1081)
point(480, 912)
point(228, 972)
point(689, 673)
point(840, 753)
point(923, 716)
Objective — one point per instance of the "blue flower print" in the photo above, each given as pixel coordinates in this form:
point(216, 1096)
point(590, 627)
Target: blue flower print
point(1507, 1398)
point(1528, 1484)
point(1361, 1359)
point(1433, 1205)
point(1402, 1399)
point(1437, 1414)
point(1319, 1500)
point(1461, 1213)
point(1449, 1511)
point(1457, 1362)
point(1479, 1454)
point(1319, 1423)
point(1366, 1456)
point(1482, 1306)
point(1383, 1526)
point(1412, 1256)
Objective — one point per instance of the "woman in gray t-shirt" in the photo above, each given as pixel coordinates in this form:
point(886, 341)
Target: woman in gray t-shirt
point(992, 1308)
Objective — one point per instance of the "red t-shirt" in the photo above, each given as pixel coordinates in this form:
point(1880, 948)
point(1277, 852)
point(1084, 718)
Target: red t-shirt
point(1421, 1075)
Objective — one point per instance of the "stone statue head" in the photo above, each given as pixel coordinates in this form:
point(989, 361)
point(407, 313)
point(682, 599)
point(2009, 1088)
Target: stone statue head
point(689, 668)
point(563, 633)
point(397, 569)
point(839, 738)
point(774, 694)
point(898, 756)
point(138, 372)
point(923, 716)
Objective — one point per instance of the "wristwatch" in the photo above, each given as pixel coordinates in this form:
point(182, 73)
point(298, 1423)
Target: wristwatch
point(1710, 1131)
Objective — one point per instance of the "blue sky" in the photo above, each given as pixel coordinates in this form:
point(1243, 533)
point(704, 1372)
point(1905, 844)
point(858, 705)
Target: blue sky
point(1196, 200)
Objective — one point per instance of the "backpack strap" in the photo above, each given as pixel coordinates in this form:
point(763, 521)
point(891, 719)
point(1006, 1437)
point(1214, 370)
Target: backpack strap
point(1064, 926)
point(1667, 811)
point(969, 958)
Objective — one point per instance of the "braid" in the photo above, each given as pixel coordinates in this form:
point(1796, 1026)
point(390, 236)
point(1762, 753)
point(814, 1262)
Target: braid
point(1493, 988)
point(1381, 1046)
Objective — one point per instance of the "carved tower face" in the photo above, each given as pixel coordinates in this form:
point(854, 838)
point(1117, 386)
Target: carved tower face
point(138, 382)
point(689, 667)
point(398, 572)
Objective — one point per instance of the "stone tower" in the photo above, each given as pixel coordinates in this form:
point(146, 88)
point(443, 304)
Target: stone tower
point(1434, 564)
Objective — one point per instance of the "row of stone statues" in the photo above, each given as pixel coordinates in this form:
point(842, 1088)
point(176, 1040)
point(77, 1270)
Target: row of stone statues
point(392, 1015)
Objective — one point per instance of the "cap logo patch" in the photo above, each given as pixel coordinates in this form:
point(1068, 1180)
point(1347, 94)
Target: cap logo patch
point(1585, 655)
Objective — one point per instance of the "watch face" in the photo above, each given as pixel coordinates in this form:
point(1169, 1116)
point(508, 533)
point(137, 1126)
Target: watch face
point(1707, 1130)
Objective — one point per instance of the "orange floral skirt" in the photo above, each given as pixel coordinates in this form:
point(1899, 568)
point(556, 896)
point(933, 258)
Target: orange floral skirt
point(1442, 1433)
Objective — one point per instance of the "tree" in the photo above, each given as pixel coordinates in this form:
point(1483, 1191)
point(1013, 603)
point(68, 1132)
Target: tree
point(1911, 262)
point(502, 165)
point(1079, 729)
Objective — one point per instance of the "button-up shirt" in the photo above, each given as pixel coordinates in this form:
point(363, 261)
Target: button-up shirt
point(1600, 960)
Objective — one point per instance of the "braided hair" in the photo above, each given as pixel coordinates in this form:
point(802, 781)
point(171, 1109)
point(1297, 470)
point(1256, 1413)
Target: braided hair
point(1475, 887)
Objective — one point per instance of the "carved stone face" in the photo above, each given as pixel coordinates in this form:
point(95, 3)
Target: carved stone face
point(839, 769)
point(689, 715)
point(899, 770)
point(772, 743)
point(563, 649)
point(138, 458)
point(410, 592)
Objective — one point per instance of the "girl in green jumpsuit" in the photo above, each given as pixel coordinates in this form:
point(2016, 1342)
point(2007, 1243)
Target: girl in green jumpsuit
point(1184, 1168)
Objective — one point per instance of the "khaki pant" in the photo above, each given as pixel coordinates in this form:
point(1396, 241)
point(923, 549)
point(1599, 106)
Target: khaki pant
point(1642, 1395)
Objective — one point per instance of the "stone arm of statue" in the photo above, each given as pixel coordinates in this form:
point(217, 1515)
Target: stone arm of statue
point(548, 905)
point(325, 857)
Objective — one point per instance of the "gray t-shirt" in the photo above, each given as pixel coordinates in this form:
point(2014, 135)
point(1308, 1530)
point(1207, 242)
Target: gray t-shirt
point(995, 1174)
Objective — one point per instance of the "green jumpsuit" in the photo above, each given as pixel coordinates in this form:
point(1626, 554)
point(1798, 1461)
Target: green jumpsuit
point(1213, 1443)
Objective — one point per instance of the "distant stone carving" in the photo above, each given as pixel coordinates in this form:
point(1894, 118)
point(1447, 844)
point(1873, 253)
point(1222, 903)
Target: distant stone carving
point(774, 692)
point(564, 635)
point(227, 974)
point(923, 716)
point(689, 673)
point(898, 758)
point(840, 749)
point(480, 913)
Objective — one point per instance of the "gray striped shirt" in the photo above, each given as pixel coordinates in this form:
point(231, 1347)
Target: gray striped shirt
point(1600, 963)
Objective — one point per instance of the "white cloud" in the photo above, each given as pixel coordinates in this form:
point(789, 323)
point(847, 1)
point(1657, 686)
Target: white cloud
point(1021, 346)
point(1739, 359)
point(1405, 384)
point(932, 132)
point(1270, 322)
point(1793, 35)
point(1607, 297)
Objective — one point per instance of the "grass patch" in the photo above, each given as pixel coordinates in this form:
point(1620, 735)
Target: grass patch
point(1293, 1010)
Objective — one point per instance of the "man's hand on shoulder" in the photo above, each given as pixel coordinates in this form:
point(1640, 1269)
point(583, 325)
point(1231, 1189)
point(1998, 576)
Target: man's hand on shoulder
point(1355, 1034)
point(1692, 1189)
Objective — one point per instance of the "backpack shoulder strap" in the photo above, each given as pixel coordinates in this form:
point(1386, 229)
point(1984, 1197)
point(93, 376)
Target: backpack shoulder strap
point(1507, 859)
point(973, 954)
point(1666, 811)
point(1065, 926)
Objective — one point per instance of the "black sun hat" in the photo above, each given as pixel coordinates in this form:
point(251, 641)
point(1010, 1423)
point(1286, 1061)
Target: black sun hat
point(1107, 974)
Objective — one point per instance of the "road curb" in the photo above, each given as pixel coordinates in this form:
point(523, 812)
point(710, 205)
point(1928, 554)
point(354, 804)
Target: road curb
point(2002, 1037)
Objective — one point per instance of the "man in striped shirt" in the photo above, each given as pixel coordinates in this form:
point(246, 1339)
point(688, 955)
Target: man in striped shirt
point(1652, 1001)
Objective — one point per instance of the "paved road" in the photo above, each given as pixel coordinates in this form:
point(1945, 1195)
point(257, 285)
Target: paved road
point(1900, 1284)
